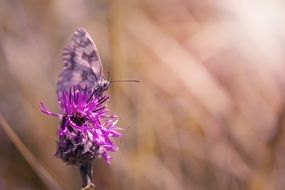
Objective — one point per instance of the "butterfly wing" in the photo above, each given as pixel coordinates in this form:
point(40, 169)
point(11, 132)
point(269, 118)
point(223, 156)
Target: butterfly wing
point(82, 64)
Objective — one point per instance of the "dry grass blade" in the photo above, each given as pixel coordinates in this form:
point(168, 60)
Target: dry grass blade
point(42, 172)
point(170, 52)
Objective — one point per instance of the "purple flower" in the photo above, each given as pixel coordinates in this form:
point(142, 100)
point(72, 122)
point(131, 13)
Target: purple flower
point(85, 127)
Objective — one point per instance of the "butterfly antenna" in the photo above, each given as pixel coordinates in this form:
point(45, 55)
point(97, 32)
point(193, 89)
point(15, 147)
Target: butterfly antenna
point(108, 78)
point(124, 81)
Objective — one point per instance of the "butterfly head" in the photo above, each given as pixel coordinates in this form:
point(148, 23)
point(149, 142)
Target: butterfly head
point(105, 85)
point(101, 87)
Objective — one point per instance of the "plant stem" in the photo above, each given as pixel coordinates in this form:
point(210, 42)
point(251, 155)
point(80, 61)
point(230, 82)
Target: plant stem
point(86, 175)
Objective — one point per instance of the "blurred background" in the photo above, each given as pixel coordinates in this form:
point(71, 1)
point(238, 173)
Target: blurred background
point(207, 115)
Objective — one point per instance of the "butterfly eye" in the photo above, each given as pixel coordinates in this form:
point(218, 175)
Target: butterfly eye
point(106, 85)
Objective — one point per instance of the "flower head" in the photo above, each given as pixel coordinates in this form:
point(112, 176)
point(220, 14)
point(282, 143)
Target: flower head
point(85, 127)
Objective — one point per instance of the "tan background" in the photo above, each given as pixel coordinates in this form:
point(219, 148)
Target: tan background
point(207, 115)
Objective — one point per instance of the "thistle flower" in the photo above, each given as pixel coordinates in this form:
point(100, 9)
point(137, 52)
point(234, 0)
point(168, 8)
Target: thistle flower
point(85, 127)
point(85, 124)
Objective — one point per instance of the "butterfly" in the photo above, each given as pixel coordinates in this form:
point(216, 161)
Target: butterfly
point(82, 66)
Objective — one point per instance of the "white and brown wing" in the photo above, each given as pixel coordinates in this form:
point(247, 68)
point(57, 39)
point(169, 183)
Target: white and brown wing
point(82, 64)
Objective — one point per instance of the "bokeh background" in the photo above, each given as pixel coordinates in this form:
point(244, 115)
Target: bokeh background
point(207, 115)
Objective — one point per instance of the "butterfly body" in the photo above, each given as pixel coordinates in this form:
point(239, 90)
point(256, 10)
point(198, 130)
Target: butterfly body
point(82, 66)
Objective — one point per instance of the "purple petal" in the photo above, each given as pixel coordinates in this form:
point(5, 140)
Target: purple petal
point(44, 110)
